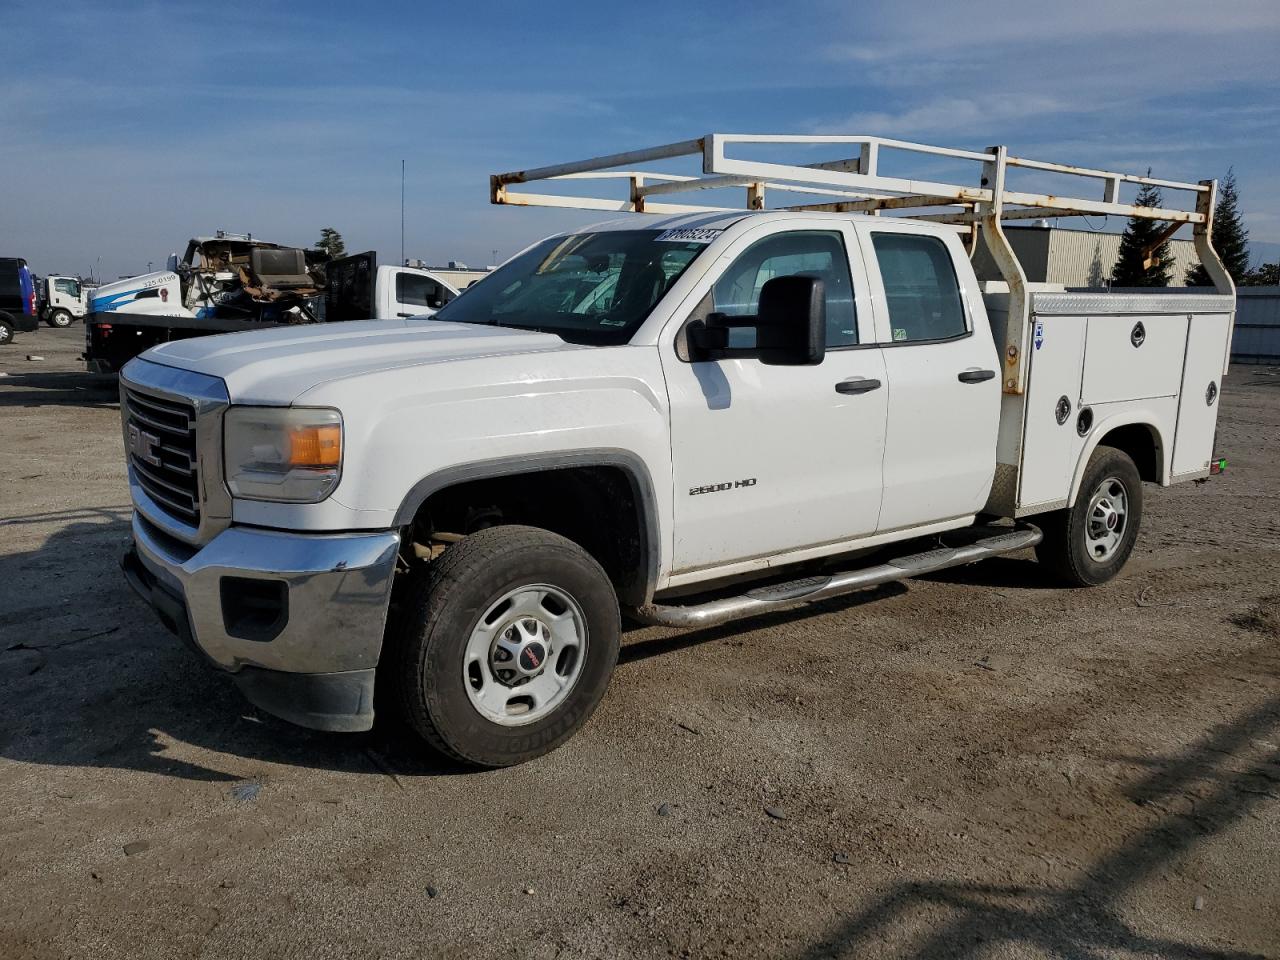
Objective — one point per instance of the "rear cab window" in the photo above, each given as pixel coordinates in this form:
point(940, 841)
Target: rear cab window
point(920, 286)
point(419, 291)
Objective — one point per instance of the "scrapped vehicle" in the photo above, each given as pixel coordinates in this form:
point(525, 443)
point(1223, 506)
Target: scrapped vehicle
point(224, 283)
point(65, 300)
point(359, 289)
point(232, 283)
point(18, 299)
point(685, 420)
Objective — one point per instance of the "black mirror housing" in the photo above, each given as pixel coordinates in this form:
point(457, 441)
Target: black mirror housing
point(791, 328)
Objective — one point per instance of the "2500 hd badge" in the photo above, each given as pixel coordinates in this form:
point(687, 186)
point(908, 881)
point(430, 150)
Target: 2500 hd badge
point(722, 487)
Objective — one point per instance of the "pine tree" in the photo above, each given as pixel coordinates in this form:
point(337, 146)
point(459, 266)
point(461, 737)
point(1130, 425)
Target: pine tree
point(1138, 234)
point(330, 242)
point(1230, 238)
point(1267, 275)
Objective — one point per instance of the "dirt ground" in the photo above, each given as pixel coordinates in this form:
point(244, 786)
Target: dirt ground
point(974, 765)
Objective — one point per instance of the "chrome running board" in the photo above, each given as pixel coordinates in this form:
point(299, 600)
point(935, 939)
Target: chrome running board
point(778, 596)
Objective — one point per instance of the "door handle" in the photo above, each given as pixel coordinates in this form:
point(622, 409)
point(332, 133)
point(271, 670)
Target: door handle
point(975, 376)
point(857, 385)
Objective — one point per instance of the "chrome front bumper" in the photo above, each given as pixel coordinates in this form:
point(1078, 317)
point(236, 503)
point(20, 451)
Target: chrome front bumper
point(297, 619)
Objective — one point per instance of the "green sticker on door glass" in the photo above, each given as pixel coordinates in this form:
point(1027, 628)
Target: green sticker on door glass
point(899, 333)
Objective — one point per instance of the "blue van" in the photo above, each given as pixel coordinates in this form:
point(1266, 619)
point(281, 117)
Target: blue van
point(17, 299)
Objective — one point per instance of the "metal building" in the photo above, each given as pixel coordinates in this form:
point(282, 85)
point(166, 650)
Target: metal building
point(1256, 338)
point(1074, 258)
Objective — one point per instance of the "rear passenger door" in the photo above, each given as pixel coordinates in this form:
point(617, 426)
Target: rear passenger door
point(943, 379)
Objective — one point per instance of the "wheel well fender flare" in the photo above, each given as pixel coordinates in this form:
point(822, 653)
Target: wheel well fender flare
point(631, 465)
point(1106, 427)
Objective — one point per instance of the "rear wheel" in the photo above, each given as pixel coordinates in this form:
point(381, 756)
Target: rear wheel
point(504, 645)
point(1089, 543)
point(60, 318)
point(6, 331)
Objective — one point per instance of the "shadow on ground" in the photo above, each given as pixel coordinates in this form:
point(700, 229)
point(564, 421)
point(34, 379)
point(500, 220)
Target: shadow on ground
point(51, 388)
point(1083, 919)
point(115, 690)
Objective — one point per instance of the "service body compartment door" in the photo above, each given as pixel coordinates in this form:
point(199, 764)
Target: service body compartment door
point(1133, 357)
point(1051, 446)
point(1201, 386)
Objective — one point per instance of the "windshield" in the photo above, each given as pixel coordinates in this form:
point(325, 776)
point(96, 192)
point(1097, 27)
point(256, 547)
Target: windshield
point(593, 288)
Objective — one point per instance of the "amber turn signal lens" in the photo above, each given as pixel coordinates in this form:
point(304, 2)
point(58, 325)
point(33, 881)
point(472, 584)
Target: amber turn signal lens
point(319, 446)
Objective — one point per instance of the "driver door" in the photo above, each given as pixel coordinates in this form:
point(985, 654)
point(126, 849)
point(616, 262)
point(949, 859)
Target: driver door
point(772, 459)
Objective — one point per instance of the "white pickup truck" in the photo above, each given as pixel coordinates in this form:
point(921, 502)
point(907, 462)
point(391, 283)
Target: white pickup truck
point(686, 419)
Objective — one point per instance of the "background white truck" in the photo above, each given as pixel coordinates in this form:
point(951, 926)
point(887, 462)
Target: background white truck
point(358, 288)
point(692, 419)
point(65, 301)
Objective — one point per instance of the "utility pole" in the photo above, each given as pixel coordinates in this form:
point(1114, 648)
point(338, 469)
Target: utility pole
point(402, 213)
point(493, 261)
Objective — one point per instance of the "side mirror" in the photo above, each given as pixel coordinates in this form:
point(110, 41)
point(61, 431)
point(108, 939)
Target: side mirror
point(790, 328)
point(172, 263)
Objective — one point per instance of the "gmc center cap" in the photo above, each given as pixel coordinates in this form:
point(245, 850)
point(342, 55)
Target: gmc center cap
point(532, 656)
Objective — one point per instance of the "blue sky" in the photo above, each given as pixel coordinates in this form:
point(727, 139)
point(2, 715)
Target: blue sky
point(127, 128)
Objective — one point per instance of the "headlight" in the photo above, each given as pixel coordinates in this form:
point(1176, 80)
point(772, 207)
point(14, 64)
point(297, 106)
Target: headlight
point(291, 454)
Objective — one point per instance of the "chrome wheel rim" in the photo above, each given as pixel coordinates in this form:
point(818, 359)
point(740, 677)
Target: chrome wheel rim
point(525, 655)
point(1108, 519)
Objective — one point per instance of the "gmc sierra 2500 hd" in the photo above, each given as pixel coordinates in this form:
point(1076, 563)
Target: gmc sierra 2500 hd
point(689, 419)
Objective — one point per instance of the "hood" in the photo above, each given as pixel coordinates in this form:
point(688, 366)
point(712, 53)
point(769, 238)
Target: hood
point(277, 365)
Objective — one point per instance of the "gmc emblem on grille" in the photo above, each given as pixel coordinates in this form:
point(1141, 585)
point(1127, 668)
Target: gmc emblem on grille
point(144, 446)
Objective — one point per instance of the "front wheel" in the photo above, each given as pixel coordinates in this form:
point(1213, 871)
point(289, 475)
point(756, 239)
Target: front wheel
point(1087, 544)
point(59, 318)
point(6, 332)
point(504, 645)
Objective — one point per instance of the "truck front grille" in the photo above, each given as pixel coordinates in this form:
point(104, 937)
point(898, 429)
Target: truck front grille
point(161, 436)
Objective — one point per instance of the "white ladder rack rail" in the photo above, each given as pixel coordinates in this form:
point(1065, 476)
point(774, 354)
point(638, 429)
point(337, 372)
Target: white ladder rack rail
point(856, 186)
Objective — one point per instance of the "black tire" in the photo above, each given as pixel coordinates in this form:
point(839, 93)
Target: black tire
point(442, 606)
point(6, 332)
point(1068, 548)
point(60, 319)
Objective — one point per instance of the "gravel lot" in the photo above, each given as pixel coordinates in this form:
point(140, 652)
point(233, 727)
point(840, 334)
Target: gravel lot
point(978, 764)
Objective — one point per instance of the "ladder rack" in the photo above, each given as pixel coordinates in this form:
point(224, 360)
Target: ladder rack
point(856, 185)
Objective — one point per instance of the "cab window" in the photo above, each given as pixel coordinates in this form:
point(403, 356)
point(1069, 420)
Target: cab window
point(920, 286)
point(420, 291)
point(808, 253)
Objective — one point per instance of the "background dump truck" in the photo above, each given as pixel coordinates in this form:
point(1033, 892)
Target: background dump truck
point(720, 411)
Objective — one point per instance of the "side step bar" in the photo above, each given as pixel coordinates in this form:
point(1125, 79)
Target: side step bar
point(781, 595)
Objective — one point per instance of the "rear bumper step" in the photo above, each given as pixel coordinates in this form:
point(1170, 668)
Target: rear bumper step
point(777, 596)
